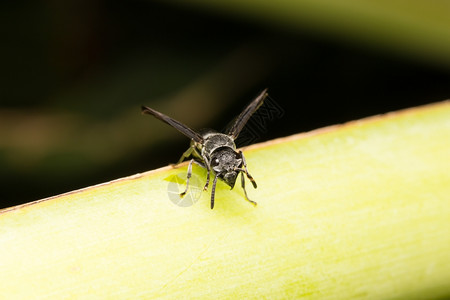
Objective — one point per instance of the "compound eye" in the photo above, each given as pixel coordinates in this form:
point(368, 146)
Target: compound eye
point(215, 162)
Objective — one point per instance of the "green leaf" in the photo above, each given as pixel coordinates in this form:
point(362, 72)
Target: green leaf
point(360, 210)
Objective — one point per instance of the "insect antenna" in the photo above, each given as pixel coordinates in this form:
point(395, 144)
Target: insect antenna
point(213, 191)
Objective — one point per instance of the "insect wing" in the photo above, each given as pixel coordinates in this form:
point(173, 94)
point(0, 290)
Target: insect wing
point(245, 115)
point(174, 123)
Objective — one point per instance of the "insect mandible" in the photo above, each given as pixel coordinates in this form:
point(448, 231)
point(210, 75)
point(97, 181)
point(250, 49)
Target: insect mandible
point(215, 151)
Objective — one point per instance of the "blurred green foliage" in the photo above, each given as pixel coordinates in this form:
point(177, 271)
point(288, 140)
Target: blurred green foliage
point(420, 29)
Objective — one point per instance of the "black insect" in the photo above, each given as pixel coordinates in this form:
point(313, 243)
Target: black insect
point(216, 151)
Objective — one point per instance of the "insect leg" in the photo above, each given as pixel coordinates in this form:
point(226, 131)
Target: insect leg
point(205, 166)
point(246, 171)
point(186, 154)
point(207, 181)
point(245, 192)
point(213, 192)
point(207, 178)
point(189, 174)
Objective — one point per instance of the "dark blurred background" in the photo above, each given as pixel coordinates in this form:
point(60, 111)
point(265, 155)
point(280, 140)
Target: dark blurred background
point(74, 74)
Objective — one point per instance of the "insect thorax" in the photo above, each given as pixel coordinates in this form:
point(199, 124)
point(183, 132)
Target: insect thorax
point(214, 140)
